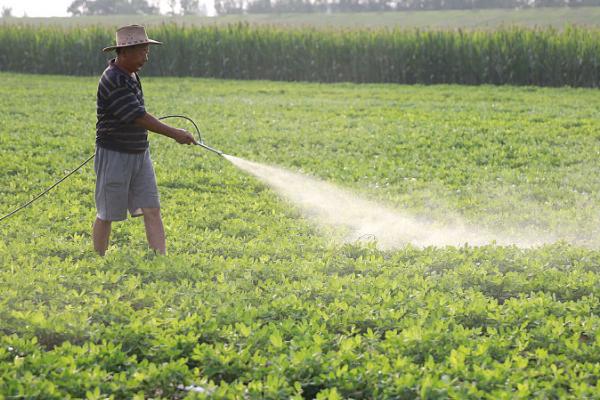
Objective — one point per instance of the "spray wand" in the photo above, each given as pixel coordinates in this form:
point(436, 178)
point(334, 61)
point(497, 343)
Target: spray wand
point(219, 152)
point(199, 142)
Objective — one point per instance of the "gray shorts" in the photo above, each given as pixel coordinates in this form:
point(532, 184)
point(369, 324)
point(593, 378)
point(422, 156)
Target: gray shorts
point(124, 182)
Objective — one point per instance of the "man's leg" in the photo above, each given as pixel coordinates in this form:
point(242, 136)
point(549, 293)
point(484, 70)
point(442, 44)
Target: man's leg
point(100, 235)
point(155, 232)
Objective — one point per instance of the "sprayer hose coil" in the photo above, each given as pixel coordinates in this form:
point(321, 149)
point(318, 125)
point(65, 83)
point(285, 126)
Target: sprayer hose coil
point(200, 142)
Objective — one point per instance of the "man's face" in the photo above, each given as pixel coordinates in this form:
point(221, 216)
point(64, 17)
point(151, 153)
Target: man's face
point(137, 56)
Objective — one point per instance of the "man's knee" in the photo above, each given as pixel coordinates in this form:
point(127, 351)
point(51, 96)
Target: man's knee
point(102, 222)
point(151, 213)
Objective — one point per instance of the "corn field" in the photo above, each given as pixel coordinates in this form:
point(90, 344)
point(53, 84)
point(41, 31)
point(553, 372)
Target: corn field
point(516, 56)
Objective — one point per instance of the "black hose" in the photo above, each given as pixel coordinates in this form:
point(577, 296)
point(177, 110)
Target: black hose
point(189, 119)
point(85, 162)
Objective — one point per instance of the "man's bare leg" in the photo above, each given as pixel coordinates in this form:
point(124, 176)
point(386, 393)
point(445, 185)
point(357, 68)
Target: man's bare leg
point(155, 232)
point(100, 235)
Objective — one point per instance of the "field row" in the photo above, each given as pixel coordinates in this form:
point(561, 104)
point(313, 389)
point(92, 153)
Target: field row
point(517, 56)
point(557, 17)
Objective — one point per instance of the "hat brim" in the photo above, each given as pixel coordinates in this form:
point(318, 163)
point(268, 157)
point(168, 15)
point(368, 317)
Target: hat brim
point(150, 41)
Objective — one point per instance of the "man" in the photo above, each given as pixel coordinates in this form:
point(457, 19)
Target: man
point(125, 177)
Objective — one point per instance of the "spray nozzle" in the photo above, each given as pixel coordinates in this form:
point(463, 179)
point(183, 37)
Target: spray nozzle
point(201, 144)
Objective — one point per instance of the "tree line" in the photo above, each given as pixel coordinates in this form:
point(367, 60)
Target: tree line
point(125, 7)
point(223, 7)
point(291, 6)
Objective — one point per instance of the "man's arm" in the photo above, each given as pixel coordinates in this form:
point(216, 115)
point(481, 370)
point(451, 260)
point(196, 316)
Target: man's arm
point(153, 124)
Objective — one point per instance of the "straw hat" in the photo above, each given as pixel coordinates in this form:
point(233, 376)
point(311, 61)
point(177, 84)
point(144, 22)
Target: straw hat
point(131, 35)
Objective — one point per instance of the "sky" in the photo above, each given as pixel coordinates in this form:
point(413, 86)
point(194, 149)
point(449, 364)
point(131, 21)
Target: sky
point(52, 8)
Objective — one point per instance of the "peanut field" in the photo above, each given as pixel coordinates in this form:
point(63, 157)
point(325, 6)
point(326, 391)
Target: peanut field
point(253, 301)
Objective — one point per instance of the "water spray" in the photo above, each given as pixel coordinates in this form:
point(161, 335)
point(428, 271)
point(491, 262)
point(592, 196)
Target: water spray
point(360, 218)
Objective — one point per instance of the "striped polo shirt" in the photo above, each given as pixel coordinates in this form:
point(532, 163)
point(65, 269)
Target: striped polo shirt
point(120, 102)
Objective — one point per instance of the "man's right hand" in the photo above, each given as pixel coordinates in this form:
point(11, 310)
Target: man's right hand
point(183, 137)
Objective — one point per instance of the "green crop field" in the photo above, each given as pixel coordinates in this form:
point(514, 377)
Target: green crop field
point(253, 300)
point(475, 19)
point(514, 56)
